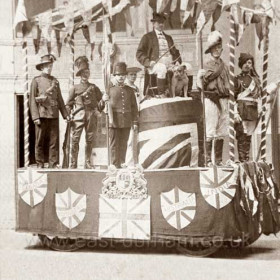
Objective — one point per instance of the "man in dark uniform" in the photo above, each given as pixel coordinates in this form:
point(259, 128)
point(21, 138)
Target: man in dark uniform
point(45, 102)
point(157, 53)
point(247, 94)
point(125, 115)
point(86, 99)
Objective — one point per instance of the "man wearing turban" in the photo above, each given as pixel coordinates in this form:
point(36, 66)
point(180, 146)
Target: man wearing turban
point(247, 94)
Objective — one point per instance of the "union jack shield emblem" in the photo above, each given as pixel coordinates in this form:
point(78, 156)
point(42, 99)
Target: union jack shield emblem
point(70, 207)
point(218, 186)
point(178, 207)
point(32, 186)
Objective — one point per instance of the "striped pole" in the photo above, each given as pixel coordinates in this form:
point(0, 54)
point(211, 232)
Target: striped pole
point(26, 104)
point(264, 94)
point(232, 44)
point(71, 82)
point(72, 64)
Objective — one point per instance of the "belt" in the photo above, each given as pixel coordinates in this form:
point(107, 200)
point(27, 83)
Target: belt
point(251, 99)
point(120, 111)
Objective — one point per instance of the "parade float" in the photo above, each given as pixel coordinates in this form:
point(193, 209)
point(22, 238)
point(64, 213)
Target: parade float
point(168, 196)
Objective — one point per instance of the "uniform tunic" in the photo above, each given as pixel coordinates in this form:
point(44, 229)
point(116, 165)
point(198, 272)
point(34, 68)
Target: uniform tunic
point(216, 86)
point(247, 93)
point(45, 102)
point(125, 114)
point(86, 99)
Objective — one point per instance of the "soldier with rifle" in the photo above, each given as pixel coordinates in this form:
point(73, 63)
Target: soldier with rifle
point(85, 101)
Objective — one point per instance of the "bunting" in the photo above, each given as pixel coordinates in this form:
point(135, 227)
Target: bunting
point(41, 17)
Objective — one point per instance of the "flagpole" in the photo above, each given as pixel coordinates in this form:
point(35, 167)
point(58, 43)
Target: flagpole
point(26, 105)
point(232, 44)
point(105, 61)
point(264, 93)
point(203, 100)
point(71, 80)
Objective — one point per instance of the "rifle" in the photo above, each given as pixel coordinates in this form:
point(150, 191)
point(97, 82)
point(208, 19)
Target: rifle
point(67, 141)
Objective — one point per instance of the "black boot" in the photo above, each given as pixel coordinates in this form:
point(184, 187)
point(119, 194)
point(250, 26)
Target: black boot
point(74, 155)
point(241, 146)
point(219, 152)
point(209, 152)
point(88, 153)
point(161, 87)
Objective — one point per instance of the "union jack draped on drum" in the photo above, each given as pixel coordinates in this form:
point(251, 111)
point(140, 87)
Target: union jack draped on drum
point(170, 133)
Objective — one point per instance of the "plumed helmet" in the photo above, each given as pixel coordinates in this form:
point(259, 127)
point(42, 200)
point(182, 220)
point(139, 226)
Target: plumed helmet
point(214, 38)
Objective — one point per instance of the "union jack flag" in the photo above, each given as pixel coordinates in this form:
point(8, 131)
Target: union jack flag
point(124, 218)
point(169, 133)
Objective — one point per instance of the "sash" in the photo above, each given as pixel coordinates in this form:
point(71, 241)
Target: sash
point(245, 95)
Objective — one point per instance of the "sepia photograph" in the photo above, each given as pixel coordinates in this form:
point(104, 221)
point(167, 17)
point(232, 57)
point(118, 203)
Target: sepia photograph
point(140, 139)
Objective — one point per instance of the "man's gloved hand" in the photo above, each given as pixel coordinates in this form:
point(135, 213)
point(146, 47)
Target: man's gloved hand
point(135, 127)
point(105, 97)
point(200, 74)
point(152, 63)
point(37, 122)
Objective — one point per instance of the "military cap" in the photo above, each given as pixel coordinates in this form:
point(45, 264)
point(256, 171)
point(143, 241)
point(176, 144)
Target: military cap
point(133, 69)
point(82, 64)
point(45, 59)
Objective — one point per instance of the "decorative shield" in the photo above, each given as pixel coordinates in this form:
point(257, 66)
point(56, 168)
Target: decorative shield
point(218, 186)
point(178, 207)
point(32, 186)
point(70, 207)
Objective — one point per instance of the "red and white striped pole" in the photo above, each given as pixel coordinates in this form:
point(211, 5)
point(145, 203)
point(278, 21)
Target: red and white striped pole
point(232, 44)
point(264, 93)
point(25, 104)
